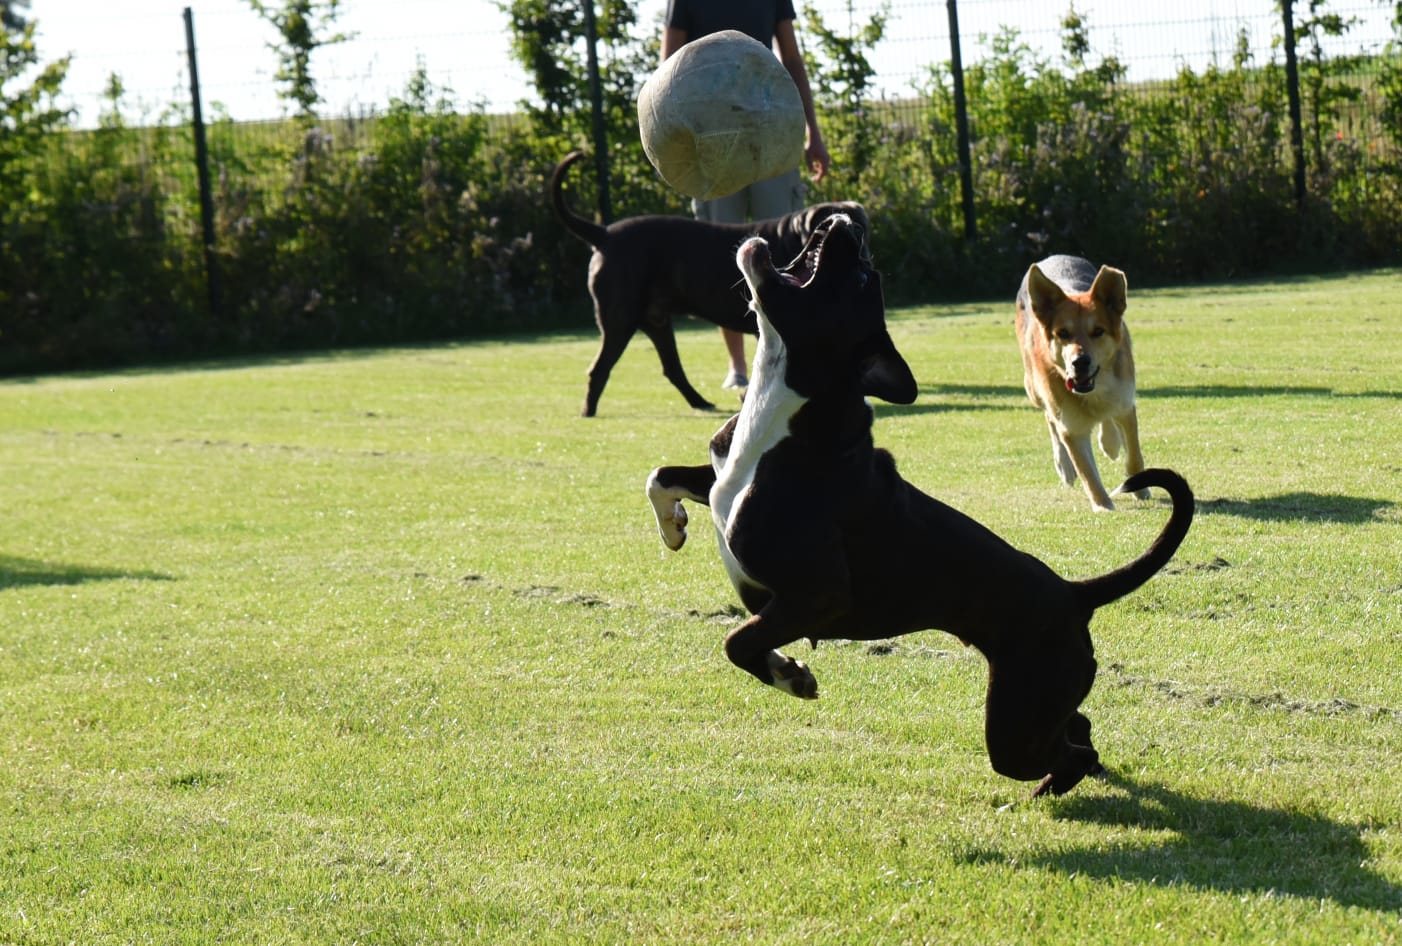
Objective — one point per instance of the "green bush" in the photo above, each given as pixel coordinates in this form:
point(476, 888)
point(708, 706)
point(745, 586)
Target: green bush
point(430, 220)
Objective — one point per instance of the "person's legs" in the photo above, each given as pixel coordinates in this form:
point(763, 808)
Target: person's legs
point(731, 209)
point(773, 197)
point(777, 196)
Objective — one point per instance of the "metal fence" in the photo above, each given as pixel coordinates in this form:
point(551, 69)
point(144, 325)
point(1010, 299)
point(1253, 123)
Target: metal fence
point(143, 167)
point(463, 47)
point(356, 75)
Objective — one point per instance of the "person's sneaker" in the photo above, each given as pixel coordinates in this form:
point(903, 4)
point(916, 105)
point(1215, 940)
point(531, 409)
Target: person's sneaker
point(735, 381)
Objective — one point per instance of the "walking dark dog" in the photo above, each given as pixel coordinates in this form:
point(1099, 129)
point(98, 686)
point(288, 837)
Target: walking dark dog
point(645, 270)
point(823, 539)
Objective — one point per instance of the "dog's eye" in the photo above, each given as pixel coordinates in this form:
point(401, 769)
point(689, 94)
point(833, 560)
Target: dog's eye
point(1063, 334)
point(1097, 332)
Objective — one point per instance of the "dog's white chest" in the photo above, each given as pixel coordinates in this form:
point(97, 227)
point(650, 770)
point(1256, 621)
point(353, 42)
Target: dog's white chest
point(763, 424)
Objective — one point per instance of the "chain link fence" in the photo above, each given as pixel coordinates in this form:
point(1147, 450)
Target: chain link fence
point(463, 46)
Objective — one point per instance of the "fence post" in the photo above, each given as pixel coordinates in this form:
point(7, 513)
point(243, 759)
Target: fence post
point(211, 262)
point(596, 100)
point(961, 123)
point(1292, 83)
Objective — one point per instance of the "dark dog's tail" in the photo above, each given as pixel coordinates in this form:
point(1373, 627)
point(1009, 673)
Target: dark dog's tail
point(587, 230)
point(1095, 592)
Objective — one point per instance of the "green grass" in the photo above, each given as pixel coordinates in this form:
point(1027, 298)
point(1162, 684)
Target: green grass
point(383, 647)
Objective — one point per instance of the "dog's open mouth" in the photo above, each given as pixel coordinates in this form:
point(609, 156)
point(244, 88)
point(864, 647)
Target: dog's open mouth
point(1082, 385)
point(800, 272)
point(801, 269)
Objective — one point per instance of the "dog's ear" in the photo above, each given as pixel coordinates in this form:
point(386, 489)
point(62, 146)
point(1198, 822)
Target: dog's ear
point(1111, 290)
point(1044, 295)
point(886, 375)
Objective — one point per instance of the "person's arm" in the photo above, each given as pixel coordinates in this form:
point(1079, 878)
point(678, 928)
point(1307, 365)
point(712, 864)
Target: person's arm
point(672, 40)
point(815, 153)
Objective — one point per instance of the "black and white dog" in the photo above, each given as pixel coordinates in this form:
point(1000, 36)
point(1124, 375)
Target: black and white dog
point(824, 540)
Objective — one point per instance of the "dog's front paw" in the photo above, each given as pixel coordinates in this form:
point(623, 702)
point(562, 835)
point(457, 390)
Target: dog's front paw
point(667, 508)
point(673, 526)
point(792, 676)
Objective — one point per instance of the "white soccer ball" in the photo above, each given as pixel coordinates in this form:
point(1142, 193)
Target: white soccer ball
point(721, 113)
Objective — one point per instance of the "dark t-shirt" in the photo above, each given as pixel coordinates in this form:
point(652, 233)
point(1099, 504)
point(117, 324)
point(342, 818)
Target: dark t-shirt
point(754, 17)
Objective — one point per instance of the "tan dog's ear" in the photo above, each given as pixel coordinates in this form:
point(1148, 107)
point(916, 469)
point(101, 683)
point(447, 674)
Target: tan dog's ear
point(1044, 294)
point(1110, 290)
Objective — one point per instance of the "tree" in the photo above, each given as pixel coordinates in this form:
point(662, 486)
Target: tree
point(10, 20)
point(27, 117)
point(842, 80)
point(548, 41)
point(27, 112)
point(1322, 95)
point(303, 27)
point(1390, 80)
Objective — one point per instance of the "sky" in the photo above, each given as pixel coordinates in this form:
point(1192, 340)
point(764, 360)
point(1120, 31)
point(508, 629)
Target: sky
point(463, 45)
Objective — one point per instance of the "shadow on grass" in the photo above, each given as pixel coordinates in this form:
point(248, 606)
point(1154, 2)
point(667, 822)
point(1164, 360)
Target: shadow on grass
point(979, 393)
point(1297, 507)
point(981, 397)
point(1231, 846)
point(1258, 390)
point(18, 572)
point(1227, 846)
point(292, 354)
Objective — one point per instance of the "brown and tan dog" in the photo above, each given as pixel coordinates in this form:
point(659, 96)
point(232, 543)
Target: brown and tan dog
point(1078, 366)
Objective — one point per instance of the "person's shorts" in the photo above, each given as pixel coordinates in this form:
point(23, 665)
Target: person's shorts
point(772, 197)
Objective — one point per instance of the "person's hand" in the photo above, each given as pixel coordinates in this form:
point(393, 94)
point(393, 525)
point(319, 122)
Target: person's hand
point(816, 157)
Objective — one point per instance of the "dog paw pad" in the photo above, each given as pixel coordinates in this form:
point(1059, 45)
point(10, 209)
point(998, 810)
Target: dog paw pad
point(673, 527)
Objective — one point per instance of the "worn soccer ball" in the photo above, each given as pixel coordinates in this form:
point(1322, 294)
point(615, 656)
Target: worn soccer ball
point(720, 114)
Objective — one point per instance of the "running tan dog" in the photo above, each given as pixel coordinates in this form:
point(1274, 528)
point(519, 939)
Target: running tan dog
point(647, 269)
point(1078, 366)
point(824, 540)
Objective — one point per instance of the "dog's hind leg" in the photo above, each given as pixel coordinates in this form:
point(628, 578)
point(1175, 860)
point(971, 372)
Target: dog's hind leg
point(664, 339)
point(667, 487)
point(1032, 726)
point(611, 349)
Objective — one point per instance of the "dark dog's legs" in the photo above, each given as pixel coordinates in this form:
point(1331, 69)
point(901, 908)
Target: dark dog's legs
point(664, 339)
point(1032, 726)
point(611, 348)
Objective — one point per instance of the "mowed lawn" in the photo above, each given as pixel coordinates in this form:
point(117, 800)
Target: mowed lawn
point(383, 647)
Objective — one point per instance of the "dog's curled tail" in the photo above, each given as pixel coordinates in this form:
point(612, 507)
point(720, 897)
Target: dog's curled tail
point(587, 230)
point(1120, 582)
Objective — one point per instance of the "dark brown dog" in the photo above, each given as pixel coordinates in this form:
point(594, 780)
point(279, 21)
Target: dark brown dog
point(823, 539)
point(645, 270)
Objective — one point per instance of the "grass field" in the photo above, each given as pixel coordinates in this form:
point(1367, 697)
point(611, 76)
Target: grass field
point(382, 647)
